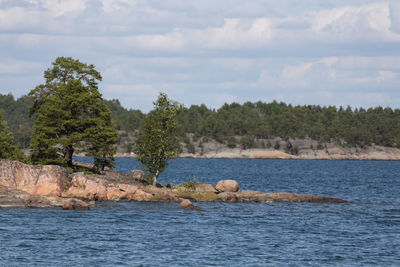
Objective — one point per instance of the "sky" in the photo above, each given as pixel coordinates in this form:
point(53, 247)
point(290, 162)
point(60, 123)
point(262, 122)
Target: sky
point(308, 52)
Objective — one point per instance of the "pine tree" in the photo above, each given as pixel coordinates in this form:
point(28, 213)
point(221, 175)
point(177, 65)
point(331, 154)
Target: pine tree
point(71, 116)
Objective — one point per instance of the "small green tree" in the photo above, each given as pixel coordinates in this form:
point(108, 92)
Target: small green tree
point(71, 116)
point(157, 138)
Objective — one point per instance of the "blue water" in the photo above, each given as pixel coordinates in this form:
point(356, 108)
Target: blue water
point(364, 233)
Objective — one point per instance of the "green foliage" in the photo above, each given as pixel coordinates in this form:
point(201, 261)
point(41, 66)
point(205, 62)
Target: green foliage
point(231, 142)
point(320, 146)
point(16, 113)
point(157, 140)
point(344, 126)
point(269, 145)
point(247, 142)
point(7, 149)
point(191, 184)
point(295, 150)
point(83, 169)
point(6, 140)
point(292, 149)
point(277, 145)
point(71, 116)
point(191, 148)
point(126, 120)
point(289, 147)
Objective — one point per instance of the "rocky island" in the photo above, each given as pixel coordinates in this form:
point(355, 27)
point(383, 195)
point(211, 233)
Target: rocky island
point(28, 186)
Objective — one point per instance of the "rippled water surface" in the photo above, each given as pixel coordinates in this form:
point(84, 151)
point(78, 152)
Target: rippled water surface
point(364, 233)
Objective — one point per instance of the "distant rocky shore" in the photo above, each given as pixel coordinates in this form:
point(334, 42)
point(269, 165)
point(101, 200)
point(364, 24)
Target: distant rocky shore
point(330, 152)
point(27, 186)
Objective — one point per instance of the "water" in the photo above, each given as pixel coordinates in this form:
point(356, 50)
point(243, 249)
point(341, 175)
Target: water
point(364, 233)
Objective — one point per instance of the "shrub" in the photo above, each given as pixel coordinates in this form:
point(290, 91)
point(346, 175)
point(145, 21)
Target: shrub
point(190, 184)
point(247, 142)
point(190, 148)
point(277, 146)
point(269, 145)
point(232, 142)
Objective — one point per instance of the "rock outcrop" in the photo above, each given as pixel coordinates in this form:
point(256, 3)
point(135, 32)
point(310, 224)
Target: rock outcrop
point(74, 204)
point(227, 186)
point(37, 180)
point(23, 185)
point(14, 198)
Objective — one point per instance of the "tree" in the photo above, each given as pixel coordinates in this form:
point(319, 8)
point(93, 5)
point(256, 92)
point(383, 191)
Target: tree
point(6, 140)
point(71, 116)
point(157, 140)
point(7, 149)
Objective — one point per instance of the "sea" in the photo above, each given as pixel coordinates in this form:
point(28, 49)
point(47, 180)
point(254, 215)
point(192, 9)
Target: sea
point(365, 232)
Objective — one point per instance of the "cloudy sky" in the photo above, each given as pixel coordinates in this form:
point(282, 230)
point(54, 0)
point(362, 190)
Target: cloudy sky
point(331, 52)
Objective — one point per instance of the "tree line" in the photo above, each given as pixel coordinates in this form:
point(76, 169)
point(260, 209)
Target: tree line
point(251, 121)
point(344, 126)
point(241, 124)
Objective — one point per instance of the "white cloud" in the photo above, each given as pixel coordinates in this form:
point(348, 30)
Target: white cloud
point(62, 7)
point(18, 67)
point(395, 16)
point(116, 5)
point(210, 51)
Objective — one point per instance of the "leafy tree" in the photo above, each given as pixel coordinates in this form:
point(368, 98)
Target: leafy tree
point(71, 116)
point(157, 140)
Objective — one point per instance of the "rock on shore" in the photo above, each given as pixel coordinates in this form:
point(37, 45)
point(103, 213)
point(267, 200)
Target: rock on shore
point(23, 185)
point(188, 205)
point(74, 204)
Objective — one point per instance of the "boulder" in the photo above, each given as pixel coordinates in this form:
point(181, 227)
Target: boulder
point(74, 204)
point(186, 204)
point(227, 186)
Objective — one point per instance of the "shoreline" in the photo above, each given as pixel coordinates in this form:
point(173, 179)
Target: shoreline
point(46, 186)
point(334, 153)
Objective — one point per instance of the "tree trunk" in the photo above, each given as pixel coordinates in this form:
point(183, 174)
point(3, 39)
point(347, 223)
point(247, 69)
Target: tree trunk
point(69, 154)
point(155, 179)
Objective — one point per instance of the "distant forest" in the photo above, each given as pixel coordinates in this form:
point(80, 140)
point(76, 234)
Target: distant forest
point(244, 124)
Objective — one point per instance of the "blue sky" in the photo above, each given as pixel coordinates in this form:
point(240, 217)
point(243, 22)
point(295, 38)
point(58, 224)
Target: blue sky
point(331, 52)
